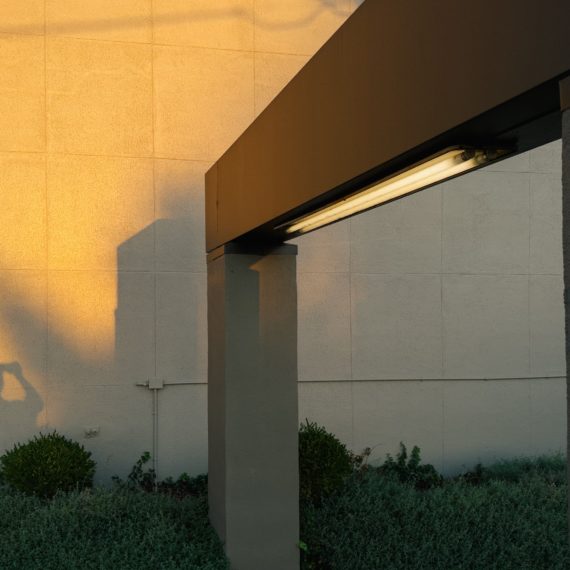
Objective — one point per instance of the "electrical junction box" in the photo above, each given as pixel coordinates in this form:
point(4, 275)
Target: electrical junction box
point(155, 383)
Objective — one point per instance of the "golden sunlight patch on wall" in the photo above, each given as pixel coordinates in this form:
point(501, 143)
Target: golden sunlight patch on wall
point(12, 389)
point(80, 314)
point(95, 204)
point(81, 309)
point(23, 216)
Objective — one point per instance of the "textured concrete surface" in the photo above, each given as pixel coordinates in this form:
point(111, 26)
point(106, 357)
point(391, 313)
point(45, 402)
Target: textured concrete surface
point(22, 93)
point(196, 116)
point(99, 97)
point(288, 27)
point(22, 16)
point(125, 21)
point(23, 233)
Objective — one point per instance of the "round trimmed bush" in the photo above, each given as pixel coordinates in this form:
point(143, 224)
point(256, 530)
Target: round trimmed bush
point(47, 464)
point(324, 463)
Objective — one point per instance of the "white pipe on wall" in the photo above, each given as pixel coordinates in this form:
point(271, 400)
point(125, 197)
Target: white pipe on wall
point(155, 385)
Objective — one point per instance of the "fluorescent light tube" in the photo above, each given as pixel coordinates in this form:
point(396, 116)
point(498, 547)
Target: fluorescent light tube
point(434, 170)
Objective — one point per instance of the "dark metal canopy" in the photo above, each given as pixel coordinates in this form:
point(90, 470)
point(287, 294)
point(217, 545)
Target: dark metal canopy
point(398, 82)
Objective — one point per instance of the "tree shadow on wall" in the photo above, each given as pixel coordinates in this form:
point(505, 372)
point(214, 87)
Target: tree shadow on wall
point(19, 413)
point(20, 403)
point(156, 313)
point(74, 27)
point(160, 320)
point(160, 332)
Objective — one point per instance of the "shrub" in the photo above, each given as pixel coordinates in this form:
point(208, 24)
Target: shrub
point(185, 486)
point(140, 478)
point(47, 464)
point(324, 463)
point(144, 479)
point(551, 468)
point(107, 530)
point(410, 471)
point(378, 522)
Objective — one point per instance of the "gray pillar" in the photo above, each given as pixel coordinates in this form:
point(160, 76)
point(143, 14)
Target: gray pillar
point(565, 106)
point(252, 406)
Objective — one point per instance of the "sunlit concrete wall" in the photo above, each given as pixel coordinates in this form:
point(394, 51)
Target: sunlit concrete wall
point(110, 113)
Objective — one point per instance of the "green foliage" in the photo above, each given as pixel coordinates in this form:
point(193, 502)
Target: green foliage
point(513, 519)
point(107, 530)
point(550, 468)
point(410, 470)
point(324, 463)
point(185, 486)
point(378, 522)
point(144, 479)
point(140, 477)
point(47, 464)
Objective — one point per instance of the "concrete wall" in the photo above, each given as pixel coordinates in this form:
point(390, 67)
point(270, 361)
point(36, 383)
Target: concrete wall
point(111, 112)
point(438, 320)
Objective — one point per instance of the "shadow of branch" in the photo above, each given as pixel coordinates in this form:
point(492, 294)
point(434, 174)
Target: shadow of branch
point(72, 27)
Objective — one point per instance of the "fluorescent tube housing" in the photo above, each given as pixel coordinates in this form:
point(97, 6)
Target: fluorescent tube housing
point(446, 165)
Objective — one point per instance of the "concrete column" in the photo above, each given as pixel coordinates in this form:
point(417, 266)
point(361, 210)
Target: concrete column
point(252, 405)
point(565, 107)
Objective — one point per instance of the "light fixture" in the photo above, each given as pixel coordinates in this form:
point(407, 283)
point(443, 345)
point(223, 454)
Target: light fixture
point(435, 169)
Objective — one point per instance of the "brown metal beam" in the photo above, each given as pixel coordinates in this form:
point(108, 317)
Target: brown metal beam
point(397, 82)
